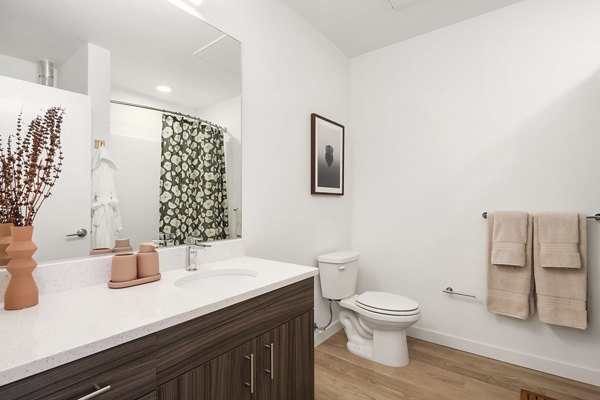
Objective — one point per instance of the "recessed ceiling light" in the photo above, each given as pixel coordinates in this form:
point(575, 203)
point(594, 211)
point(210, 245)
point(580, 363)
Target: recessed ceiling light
point(188, 7)
point(163, 88)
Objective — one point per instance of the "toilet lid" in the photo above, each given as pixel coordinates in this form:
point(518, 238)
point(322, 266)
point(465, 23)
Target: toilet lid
point(387, 303)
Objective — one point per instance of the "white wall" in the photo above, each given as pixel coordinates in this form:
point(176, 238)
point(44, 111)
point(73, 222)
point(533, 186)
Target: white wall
point(138, 122)
point(88, 71)
point(99, 89)
point(17, 68)
point(74, 72)
point(289, 70)
point(137, 182)
point(499, 112)
point(228, 113)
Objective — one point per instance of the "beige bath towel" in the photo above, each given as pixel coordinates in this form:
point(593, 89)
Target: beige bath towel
point(510, 288)
point(509, 238)
point(561, 292)
point(558, 235)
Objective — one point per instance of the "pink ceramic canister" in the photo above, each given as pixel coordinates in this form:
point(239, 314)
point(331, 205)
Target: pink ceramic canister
point(124, 267)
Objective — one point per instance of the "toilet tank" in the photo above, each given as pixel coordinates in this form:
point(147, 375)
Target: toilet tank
point(338, 272)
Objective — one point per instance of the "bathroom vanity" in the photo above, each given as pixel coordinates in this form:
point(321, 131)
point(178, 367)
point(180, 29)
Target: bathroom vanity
point(249, 341)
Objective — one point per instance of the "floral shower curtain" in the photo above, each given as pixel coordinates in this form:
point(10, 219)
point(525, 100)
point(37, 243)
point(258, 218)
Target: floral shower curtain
point(193, 186)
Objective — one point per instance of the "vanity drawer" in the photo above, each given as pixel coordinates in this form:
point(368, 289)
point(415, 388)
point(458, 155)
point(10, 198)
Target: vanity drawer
point(129, 370)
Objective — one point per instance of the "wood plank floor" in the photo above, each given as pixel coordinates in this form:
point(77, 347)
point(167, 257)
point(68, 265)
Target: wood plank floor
point(434, 373)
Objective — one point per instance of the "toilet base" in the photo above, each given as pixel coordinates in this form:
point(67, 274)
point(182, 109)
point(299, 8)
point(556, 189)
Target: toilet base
point(364, 350)
point(393, 356)
point(386, 347)
point(391, 348)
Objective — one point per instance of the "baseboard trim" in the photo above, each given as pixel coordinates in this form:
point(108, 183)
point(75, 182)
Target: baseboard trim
point(322, 336)
point(570, 371)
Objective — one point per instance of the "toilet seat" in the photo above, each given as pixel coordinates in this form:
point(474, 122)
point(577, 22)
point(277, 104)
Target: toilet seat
point(380, 315)
point(387, 303)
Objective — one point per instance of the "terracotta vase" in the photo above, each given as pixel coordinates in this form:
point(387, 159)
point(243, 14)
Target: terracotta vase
point(22, 292)
point(5, 239)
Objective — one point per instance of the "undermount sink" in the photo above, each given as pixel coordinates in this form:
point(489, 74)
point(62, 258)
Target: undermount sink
point(216, 278)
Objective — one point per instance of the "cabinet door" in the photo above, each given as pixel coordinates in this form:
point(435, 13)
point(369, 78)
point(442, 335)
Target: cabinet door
point(293, 353)
point(265, 377)
point(193, 385)
point(233, 374)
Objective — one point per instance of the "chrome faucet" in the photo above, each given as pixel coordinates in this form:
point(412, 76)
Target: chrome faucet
point(193, 245)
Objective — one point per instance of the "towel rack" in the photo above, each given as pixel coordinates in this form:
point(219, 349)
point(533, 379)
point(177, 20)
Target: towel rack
point(449, 290)
point(595, 217)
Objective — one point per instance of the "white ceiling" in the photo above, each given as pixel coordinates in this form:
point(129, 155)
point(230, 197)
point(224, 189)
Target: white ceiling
point(151, 42)
point(360, 26)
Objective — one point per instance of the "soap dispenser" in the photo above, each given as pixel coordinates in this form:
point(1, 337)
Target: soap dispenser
point(147, 260)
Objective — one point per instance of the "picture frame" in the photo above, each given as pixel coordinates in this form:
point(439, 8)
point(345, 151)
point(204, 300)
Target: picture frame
point(327, 156)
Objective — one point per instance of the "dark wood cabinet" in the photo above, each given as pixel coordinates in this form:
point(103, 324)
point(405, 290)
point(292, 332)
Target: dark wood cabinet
point(232, 375)
point(294, 359)
point(265, 365)
point(276, 365)
point(190, 386)
point(260, 349)
point(149, 396)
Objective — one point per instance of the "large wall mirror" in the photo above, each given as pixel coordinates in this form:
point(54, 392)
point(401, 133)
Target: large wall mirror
point(152, 129)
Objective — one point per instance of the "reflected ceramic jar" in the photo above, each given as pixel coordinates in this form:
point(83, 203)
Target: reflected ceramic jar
point(122, 245)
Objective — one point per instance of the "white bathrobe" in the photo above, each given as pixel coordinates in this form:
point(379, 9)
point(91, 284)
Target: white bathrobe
point(106, 218)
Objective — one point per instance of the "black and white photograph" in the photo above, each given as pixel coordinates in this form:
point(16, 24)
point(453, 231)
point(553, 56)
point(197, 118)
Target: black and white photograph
point(327, 156)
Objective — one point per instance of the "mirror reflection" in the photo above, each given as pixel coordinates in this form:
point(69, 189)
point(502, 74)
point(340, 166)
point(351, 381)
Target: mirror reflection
point(160, 122)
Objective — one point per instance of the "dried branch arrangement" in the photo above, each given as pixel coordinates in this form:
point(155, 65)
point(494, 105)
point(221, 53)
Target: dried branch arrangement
point(30, 164)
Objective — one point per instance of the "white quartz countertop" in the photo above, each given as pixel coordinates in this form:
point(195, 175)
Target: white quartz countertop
point(73, 324)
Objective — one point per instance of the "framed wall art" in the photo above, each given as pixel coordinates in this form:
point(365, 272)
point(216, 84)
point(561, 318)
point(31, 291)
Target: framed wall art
point(327, 156)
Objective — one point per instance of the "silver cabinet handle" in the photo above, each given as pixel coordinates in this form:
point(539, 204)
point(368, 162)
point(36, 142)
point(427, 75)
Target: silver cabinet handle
point(272, 370)
point(80, 233)
point(251, 384)
point(97, 393)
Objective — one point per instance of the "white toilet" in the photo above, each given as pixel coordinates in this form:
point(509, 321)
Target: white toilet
point(375, 322)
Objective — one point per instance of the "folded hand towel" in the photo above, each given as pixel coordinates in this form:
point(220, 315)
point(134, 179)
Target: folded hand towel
point(561, 292)
point(558, 235)
point(510, 288)
point(509, 238)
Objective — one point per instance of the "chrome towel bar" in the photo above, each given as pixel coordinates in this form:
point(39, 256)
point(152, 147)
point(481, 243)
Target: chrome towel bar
point(595, 217)
point(449, 290)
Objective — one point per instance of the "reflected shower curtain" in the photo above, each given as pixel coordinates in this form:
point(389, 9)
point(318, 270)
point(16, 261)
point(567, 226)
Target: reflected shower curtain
point(193, 185)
